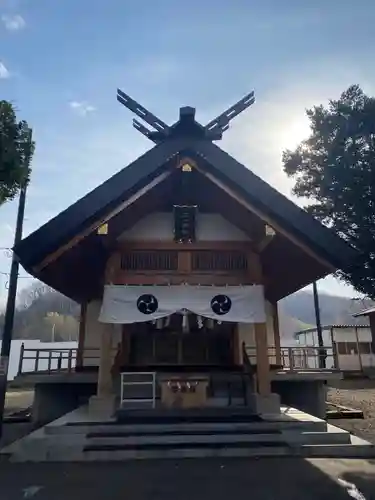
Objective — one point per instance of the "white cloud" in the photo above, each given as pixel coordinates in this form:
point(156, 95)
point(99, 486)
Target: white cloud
point(82, 108)
point(13, 23)
point(4, 73)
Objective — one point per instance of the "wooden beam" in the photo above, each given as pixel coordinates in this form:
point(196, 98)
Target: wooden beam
point(81, 335)
point(184, 262)
point(261, 342)
point(104, 387)
point(127, 246)
point(276, 333)
point(263, 244)
point(113, 266)
point(263, 363)
point(265, 218)
point(93, 227)
point(154, 278)
point(372, 329)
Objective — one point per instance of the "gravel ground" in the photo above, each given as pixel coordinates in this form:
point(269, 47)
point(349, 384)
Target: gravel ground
point(16, 400)
point(359, 399)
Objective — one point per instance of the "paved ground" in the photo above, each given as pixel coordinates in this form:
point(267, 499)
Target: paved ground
point(263, 479)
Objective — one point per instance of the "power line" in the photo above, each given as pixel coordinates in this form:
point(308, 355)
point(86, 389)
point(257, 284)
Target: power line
point(21, 277)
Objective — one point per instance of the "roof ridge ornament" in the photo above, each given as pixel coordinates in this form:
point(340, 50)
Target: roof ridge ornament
point(186, 125)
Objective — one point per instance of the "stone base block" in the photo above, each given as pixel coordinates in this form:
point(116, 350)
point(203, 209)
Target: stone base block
point(265, 404)
point(102, 406)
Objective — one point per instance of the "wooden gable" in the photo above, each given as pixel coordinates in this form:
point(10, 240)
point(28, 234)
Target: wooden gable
point(78, 267)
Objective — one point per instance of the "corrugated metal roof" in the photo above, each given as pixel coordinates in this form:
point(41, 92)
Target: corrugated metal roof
point(365, 312)
point(328, 327)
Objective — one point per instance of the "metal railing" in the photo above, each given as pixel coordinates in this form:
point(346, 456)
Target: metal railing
point(299, 358)
point(145, 379)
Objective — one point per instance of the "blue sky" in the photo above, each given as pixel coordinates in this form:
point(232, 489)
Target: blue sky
point(61, 62)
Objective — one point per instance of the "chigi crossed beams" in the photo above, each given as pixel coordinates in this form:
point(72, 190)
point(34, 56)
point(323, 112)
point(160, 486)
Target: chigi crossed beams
point(212, 131)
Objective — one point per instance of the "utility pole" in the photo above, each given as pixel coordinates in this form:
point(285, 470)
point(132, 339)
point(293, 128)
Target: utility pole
point(322, 357)
point(12, 290)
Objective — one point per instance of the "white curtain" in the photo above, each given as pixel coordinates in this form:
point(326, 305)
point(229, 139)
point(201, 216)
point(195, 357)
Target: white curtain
point(136, 304)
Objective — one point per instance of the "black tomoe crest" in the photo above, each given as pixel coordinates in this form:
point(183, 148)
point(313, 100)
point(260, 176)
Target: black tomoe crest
point(221, 304)
point(147, 304)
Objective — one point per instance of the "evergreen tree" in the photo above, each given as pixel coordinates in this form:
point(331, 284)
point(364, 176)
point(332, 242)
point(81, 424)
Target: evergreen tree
point(335, 169)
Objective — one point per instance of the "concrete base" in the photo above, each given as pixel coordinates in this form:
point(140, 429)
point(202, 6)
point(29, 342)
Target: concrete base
point(308, 396)
point(264, 405)
point(102, 406)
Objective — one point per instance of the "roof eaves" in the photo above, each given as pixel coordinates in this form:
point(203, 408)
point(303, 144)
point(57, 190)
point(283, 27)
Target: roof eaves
point(58, 230)
point(270, 201)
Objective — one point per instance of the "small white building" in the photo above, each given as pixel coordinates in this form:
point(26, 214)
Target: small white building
point(351, 344)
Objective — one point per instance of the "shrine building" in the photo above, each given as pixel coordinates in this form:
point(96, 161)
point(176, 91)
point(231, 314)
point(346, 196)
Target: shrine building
point(178, 262)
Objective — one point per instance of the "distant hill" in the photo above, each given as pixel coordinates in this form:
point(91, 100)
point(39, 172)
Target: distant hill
point(44, 314)
point(297, 311)
point(288, 325)
point(333, 309)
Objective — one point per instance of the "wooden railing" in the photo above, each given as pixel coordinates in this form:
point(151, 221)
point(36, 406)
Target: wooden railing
point(46, 360)
point(300, 358)
point(293, 359)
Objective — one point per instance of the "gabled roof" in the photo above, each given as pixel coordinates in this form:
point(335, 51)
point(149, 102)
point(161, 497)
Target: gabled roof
point(61, 229)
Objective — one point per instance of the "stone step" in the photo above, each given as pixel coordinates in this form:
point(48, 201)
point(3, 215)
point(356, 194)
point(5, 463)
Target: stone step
point(115, 428)
point(171, 453)
point(149, 442)
point(167, 431)
point(230, 439)
point(181, 444)
point(256, 450)
point(235, 440)
point(352, 450)
point(198, 415)
point(333, 435)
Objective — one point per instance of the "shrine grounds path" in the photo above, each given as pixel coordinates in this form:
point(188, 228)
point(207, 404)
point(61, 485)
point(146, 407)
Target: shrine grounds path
point(200, 479)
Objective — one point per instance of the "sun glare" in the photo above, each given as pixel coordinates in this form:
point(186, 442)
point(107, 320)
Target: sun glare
point(294, 132)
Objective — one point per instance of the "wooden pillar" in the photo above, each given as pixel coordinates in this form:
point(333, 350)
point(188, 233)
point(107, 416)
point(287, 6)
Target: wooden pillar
point(237, 346)
point(261, 341)
point(372, 328)
point(276, 332)
point(81, 335)
point(105, 362)
point(263, 363)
